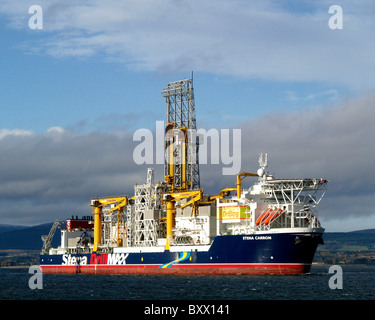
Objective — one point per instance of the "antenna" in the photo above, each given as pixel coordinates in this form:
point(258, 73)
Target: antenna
point(263, 160)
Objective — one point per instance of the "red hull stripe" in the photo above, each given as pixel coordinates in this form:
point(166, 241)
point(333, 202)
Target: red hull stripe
point(181, 269)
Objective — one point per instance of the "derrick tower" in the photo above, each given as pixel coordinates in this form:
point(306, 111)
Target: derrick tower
point(181, 165)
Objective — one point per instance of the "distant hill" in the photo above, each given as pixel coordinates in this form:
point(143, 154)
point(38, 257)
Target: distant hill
point(356, 236)
point(9, 227)
point(356, 247)
point(27, 238)
point(364, 231)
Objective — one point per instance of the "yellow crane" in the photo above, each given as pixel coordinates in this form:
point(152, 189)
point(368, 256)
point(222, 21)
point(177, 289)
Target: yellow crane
point(97, 205)
point(240, 177)
point(170, 199)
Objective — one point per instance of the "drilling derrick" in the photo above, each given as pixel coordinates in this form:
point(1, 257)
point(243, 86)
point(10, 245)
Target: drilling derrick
point(181, 165)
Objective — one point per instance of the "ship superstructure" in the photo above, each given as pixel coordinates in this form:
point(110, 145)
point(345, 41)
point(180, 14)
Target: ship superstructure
point(173, 227)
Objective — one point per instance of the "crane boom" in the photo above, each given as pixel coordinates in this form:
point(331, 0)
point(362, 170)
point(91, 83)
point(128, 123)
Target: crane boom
point(47, 240)
point(97, 204)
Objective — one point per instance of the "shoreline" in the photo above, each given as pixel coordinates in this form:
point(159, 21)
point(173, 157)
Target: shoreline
point(16, 267)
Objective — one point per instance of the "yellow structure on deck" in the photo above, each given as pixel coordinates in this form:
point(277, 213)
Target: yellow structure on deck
point(97, 205)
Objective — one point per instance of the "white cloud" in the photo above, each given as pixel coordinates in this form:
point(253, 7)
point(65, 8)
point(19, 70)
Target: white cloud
point(55, 130)
point(62, 169)
point(15, 132)
point(331, 94)
point(260, 39)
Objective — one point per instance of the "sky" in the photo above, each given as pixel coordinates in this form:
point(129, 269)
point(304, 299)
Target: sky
point(73, 93)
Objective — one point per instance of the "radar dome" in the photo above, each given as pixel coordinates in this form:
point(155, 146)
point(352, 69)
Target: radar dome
point(260, 172)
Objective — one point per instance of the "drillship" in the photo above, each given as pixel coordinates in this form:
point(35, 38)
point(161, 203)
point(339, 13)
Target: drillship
point(172, 227)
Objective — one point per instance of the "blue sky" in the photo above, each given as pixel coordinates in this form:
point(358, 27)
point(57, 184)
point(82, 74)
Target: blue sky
point(42, 91)
point(51, 88)
point(98, 68)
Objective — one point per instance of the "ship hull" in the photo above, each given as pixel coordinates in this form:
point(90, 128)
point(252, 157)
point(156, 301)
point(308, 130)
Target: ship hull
point(268, 253)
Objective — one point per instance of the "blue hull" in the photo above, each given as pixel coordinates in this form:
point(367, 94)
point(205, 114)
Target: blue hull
point(281, 253)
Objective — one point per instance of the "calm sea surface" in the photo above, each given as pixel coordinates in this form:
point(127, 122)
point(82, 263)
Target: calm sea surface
point(358, 284)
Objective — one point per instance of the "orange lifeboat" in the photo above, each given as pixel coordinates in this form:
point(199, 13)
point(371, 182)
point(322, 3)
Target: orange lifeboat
point(273, 216)
point(264, 216)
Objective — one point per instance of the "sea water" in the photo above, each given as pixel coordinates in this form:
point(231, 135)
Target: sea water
point(358, 283)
